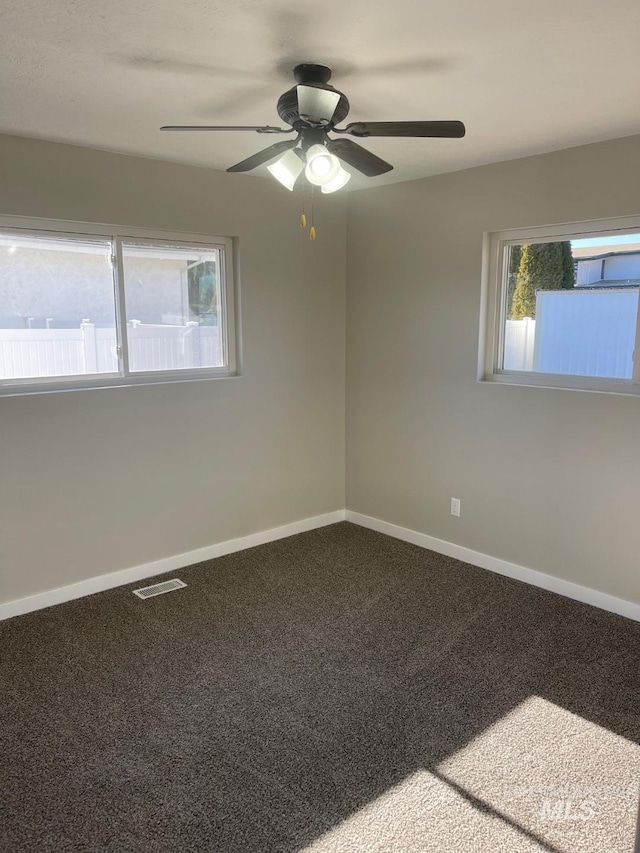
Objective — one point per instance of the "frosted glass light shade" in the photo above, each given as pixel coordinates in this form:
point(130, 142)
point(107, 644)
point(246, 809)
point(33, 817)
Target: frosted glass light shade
point(322, 166)
point(287, 169)
point(340, 180)
point(317, 104)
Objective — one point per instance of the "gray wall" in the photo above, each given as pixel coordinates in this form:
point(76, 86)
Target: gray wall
point(547, 478)
point(65, 287)
point(68, 287)
point(94, 481)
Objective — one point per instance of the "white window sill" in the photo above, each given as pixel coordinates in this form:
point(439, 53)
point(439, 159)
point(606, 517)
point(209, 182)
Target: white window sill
point(563, 382)
point(94, 383)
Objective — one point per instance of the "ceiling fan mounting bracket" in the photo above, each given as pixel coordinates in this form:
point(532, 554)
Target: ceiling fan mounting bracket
point(307, 73)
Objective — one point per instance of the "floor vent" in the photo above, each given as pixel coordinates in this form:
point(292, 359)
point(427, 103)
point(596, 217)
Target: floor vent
point(159, 588)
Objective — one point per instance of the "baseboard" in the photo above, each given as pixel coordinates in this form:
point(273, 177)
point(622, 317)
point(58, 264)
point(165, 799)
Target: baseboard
point(167, 564)
point(178, 561)
point(502, 567)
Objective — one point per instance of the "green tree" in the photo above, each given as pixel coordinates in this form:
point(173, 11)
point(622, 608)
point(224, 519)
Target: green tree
point(203, 297)
point(568, 266)
point(542, 266)
point(514, 264)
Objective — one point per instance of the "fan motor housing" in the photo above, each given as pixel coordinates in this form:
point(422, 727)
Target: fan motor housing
point(318, 76)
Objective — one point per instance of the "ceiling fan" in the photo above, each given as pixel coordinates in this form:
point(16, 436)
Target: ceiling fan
point(312, 109)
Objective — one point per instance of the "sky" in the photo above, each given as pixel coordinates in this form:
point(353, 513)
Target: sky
point(617, 240)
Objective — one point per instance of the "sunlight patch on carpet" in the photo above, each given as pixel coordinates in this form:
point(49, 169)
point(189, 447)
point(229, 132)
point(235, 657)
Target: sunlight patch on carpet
point(423, 814)
point(540, 779)
point(569, 781)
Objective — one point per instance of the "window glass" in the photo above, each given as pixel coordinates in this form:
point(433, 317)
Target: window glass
point(57, 307)
point(570, 306)
point(175, 317)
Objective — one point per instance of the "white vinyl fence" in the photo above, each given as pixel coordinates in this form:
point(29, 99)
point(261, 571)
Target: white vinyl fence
point(586, 332)
point(172, 347)
point(519, 336)
point(576, 332)
point(90, 349)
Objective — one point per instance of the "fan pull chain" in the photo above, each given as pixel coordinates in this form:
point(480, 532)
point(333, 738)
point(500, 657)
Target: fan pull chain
point(303, 217)
point(312, 230)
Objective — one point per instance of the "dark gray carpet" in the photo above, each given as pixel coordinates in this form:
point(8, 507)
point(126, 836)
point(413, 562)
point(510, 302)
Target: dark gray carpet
point(333, 692)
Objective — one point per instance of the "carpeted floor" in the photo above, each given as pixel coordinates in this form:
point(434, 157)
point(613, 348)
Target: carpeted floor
point(335, 692)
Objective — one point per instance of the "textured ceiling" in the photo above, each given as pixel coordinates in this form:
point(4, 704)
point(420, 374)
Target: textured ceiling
point(525, 77)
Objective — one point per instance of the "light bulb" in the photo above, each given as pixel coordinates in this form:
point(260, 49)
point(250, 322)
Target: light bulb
point(287, 168)
point(322, 166)
point(342, 178)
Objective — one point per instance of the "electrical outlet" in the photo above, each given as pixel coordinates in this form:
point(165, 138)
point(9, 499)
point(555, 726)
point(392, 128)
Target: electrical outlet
point(455, 507)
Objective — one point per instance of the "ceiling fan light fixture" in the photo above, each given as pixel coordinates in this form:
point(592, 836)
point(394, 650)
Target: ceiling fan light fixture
point(317, 104)
point(322, 166)
point(312, 110)
point(340, 180)
point(287, 169)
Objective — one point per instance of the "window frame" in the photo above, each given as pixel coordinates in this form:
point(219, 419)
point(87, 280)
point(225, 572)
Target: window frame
point(493, 307)
point(68, 229)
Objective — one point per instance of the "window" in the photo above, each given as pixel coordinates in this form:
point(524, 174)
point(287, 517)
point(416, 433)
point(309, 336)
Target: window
point(181, 326)
point(92, 306)
point(561, 306)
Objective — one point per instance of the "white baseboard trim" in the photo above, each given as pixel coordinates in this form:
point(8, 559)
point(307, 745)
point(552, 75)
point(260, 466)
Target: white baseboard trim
point(493, 564)
point(178, 561)
point(166, 564)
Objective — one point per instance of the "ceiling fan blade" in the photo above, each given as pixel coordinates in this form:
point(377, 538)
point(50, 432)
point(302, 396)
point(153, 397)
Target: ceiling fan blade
point(263, 156)
point(448, 129)
point(412, 65)
point(236, 98)
point(256, 128)
point(167, 64)
point(358, 157)
point(315, 104)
